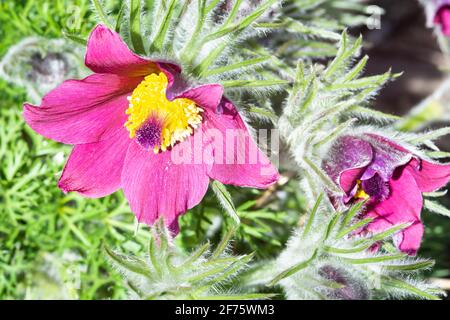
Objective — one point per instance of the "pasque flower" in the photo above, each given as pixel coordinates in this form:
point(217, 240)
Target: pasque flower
point(390, 177)
point(130, 121)
point(438, 14)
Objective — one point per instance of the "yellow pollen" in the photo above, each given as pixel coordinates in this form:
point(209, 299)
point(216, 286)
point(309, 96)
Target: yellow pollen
point(179, 118)
point(360, 193)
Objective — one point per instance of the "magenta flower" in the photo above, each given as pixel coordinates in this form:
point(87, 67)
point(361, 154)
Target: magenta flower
point(132, 120)
point(391, 178)
point(438, 14)
point(442, 17)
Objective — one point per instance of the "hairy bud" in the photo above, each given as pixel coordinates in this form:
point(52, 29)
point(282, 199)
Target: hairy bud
point(351, 288)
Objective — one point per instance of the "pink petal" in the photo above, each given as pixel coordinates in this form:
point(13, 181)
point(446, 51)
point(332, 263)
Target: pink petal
point(83, 111)
point(403, 206)
point(348, 178)
point(442, 18)
point(237, 159)
point(429, 176)
point(409, 239)
point(94, 169)
point(108, 53)
point(176, 83)
point(208, 96)
point(156, 186)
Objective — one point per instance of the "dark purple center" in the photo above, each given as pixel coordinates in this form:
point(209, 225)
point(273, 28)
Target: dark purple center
point(376, 188)
point(149, 135)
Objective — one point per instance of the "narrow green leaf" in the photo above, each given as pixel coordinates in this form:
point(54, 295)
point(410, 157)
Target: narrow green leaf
point(232, 33)
point(209, 59)
point(135, 265)
point(223, 243)
point(397, 283)
point(432, 135)
point(362, 83)
point(389, 232)
point(135, 26)
point(229, 271)
point(310, 93)
point(437, 208)
point(135, 288)
point(427, 264)
point(195, 255)
point(375, 113)
point(152, 250)
point(254, 83)
point(343, 55)
point(158, 42)
point(241, 25)
point(76, 231)
point(101, 13)
point(235, 66)
point(438, 154)
point(191, 48)
point(331, 225)
point(75, 38)
point(120, 17)
point(358, 69)
point(232, 15)
point(377, 259)
point(329, 184)
point(298, 83)
point(162, 234)
point(295, 26)
point(335, 132)
point(292, 270)
point(312, 216)
point(265, 113)
point(225, 200)
point(354, 227)
point(330, 113)
point(212, 6)
point(348, 250)
point(213, 274)
point(436, 194)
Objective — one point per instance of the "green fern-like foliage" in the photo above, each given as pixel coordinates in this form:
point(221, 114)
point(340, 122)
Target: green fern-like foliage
point(324, 103)
point(168, 273)
point(40, 227)
point(203, 36)
point(329, 258)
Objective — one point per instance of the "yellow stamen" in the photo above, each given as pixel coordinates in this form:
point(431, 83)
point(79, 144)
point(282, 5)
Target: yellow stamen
point(360, 193)
point(179, 117)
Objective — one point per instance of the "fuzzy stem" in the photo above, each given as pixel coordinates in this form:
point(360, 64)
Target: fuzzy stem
point(188, 51)
point(158, 43)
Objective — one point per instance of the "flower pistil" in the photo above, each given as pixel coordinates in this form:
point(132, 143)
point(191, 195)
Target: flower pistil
point(360, 193)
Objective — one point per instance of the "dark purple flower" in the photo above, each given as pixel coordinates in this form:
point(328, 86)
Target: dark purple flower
point(390, 177)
